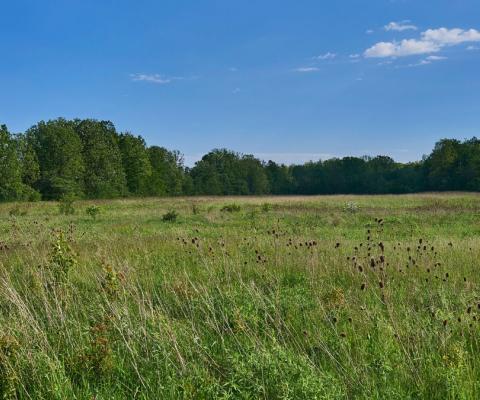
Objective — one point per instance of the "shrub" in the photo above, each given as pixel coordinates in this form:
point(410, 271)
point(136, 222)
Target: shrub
point(111, 281)
point(66, 205)
point(62, 260)
point(93, 211)
point(170, 216)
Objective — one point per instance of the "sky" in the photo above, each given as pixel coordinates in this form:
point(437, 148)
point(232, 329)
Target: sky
point(290, 81)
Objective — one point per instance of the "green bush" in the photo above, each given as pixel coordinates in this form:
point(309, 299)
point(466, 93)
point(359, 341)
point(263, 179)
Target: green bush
point(170, 216)
point(93, 211)
point(62, 260)
point(66, 204)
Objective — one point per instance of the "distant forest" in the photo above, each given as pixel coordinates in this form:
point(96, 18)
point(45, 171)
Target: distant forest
point(90, 159)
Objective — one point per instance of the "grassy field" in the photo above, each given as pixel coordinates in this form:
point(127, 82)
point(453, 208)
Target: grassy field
point(337, 297)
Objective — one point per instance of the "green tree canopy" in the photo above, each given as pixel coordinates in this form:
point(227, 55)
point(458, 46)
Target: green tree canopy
point(58, 149)
point(104, 174)
point(11, 186)
point(167, 178)
point(136, 163)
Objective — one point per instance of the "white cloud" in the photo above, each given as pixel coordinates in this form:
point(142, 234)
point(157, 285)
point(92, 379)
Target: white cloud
point(419, 64)
point(428, 60)
point(326, 56)
point(369, 31)
point(473, 48)
point(306, 69)
point(354, 56)
point(436, 58)
point(455, 36)
point(152, 78)
point(430, 41)
point(400, 26)
point(406, 47)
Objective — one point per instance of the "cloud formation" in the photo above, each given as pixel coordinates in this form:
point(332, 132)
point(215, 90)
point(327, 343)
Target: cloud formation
point(428, 60)
point(400, 26)
point(406, 47)
point(430, 41)
point(326, 56)
point(152, 78)
point(306, 69)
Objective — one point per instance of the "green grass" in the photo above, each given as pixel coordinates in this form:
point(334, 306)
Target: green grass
point(242, 298)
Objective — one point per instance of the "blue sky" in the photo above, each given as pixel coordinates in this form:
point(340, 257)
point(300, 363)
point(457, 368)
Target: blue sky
point(286, 80)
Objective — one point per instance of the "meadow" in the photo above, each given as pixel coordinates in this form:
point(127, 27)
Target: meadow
point(324, 297)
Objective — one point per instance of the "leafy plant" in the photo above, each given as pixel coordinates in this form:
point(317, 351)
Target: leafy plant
point(62, 260)
point(66, 204)
point(93, 211)
point(170, 216)
point(111, 281)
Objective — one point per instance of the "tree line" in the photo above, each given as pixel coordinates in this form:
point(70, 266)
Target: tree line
point(90, 159)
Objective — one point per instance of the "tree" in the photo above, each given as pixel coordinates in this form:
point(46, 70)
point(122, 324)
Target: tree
point(104, 174)
point(441, 165)
point(167, 176)
point(58, 149)
point(11, 186)
point(224, 172)
point(279, 178)
point(136, 163)
point(29, 161)
point(254, 175)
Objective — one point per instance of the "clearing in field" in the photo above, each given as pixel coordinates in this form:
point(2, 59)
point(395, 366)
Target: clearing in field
point(338, 297)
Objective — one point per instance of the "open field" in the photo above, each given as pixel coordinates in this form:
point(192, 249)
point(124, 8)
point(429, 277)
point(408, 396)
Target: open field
point(334, 297)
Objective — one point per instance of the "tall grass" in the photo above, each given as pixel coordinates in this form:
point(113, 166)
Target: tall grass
point(301, 299)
